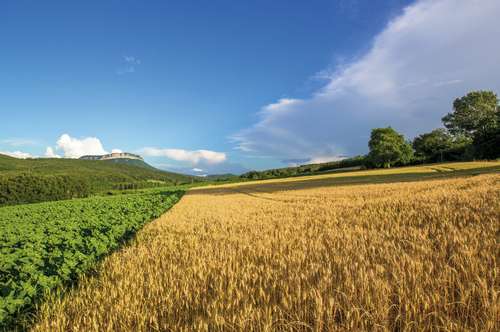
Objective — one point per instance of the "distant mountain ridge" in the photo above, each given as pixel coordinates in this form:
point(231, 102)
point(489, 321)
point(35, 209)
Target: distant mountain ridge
point(36, 180)
point(112, 156)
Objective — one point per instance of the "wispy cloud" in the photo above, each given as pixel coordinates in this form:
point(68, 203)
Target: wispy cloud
point(18, 142)
point(435, 51)
point(129, 65)
point(449, 82)
point(132, 60)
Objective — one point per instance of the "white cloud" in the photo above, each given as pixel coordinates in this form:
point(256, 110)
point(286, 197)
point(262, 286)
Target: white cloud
point(435, 51)
point(18, 142)
point(198, 170)
point(129, 65)
point(75, 148)
point(281, 106)
point(324, 159)
point(132, 60)
point(49, 153)
point(17, 154)
point(193, 157)
point(69, 146)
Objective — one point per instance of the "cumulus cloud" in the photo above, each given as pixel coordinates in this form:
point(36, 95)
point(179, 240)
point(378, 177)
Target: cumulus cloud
point(198, 170)
point(17, 154)
point(75, 148)
point(435, 51)
point(49, 153)
point(193, 157)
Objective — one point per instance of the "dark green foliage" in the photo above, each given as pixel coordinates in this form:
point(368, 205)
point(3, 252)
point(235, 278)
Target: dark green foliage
point(49, 244)
point(487, 146)
point(430, 145)
point(473, 132)
point(222, 177)
point(439, 145)
point(37, 180)
point(476, 117)
point(473, 114)
point(347, 164)
point(388, 147)
point(28, 188)
point(358, 161)
point(131, 162)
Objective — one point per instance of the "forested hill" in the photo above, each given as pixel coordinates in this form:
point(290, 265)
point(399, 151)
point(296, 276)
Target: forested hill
point(36, 180)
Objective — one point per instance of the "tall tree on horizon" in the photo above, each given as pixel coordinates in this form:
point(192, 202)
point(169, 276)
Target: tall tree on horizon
point(474, 114)
point(388, 147)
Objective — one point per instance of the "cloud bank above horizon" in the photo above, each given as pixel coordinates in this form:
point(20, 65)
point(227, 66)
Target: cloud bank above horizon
point(17, 154)
point(71, 147)
point(75, 148)
point(195, 157)
point(430, 54)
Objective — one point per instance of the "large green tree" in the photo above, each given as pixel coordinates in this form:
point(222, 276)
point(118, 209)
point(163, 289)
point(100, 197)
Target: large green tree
point(474, 115)
point(487, 145)
point(431, 146)
point(388, 147)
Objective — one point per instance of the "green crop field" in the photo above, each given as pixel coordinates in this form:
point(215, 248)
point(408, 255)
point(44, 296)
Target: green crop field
point(49, 244)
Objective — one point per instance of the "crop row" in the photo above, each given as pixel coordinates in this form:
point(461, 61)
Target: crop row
point(46, 245)
point(411, 256)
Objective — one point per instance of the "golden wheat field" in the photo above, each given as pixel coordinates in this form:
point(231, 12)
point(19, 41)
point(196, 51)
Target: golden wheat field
point(406, 256)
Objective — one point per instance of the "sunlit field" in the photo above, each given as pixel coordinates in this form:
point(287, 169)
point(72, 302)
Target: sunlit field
point(410, 173)
point(305, 255)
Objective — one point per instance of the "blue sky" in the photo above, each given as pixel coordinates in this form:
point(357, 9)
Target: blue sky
point(219, 86)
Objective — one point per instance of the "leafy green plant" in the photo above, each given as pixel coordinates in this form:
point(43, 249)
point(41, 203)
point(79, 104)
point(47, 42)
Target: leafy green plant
point(49, 244)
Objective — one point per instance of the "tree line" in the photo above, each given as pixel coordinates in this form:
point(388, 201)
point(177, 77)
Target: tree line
point(471, 131)
point(28, 188)
point(40, 180)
